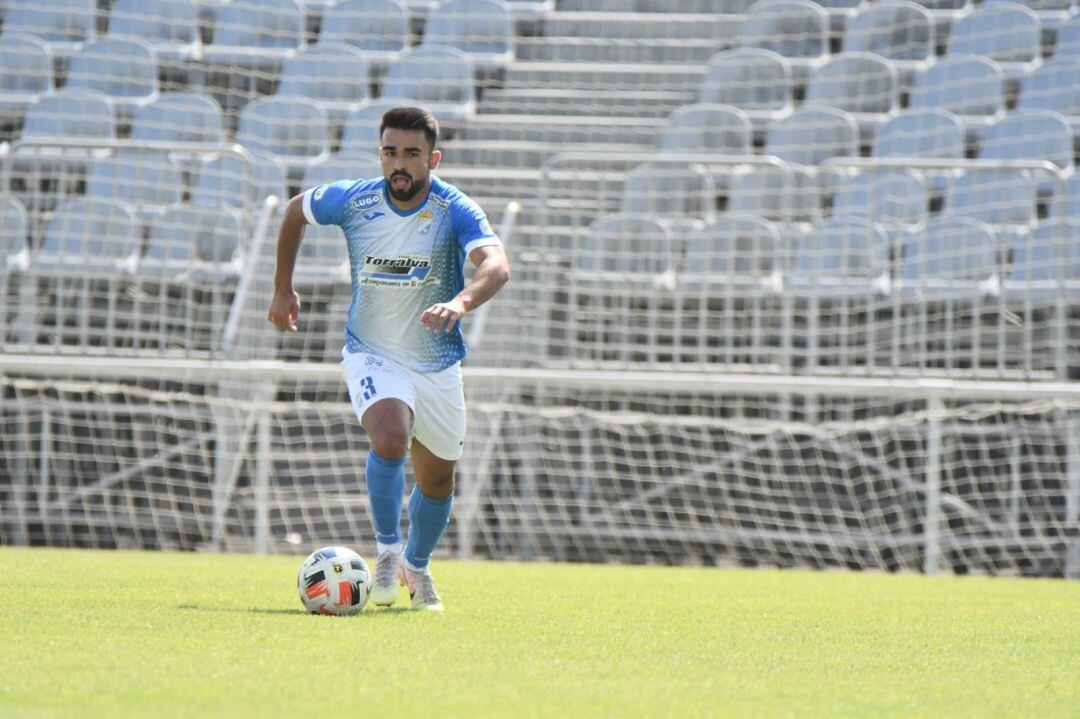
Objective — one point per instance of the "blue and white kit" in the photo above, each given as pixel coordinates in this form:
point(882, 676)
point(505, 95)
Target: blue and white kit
point(401, 264)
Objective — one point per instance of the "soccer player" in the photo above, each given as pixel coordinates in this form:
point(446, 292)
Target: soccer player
point(407, 234)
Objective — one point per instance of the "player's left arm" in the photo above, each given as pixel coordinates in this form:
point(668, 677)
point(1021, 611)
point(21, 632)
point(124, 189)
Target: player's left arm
point(492, 272)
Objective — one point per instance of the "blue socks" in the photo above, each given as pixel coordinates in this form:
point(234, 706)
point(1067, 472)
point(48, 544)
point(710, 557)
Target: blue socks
point(427, 519)
point(386, 489)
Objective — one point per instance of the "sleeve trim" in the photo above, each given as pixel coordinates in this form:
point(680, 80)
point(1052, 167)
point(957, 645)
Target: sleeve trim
point(306, 204)
point(482, 242)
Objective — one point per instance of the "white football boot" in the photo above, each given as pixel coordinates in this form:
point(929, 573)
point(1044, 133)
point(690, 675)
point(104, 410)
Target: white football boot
point(421, 586)
point(386, 588)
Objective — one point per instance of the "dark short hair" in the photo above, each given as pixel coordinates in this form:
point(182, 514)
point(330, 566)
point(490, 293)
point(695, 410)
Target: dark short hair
point(411, 118)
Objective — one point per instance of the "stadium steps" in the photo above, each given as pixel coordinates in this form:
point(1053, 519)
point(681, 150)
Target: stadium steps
point(644, 27)
point(648, 51)
point(513, 154)
point(610, 76)
point(551, 101)
point(571, 132)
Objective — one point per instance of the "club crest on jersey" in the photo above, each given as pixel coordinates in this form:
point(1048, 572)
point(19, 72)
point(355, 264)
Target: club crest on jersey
point(403, 271)
point(366, 200)
point(423, 221)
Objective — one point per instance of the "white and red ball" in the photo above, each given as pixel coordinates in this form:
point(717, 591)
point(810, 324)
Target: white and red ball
point(334, 580)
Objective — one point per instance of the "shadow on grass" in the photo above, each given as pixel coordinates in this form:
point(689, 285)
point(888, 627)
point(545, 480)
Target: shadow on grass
point(366, 614)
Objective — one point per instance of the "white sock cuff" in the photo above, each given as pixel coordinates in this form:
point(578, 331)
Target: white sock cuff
point(395, 548)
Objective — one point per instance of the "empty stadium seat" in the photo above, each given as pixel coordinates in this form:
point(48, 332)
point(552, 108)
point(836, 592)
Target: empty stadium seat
point(863, 84)
point(334, 76)
point(64, 24)
point(180, 117)
point(26, 73)
point(70, 113)
point(1031, 135)
point(735, 252)
point(757, 81)
point(950, 257)
point(125, 69)
point(171, 27)
point(1046, 260)
point(970, 86)
point(197, 242)
point(891, 198)
point(617, 270)
point(812, 134)
point(899, 30)
point(673, 190)
point(1068, 40)
point(241, 182)
point(796, 29)
point(1003, 199)
point(1006, 32)
point(294, 130)
point(930, 133)
point(847, 255)
point(708, 127)
point(87, 237)
point(142, 179)
point(483, 29)
point(379, 28)
point(439, 77)
point(1054, 86)
point(256, 34)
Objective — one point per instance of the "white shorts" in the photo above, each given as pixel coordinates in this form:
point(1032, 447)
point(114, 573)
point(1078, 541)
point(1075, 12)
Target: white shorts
point(437, 399)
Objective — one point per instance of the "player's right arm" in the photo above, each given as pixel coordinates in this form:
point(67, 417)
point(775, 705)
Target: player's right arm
point(285, 306)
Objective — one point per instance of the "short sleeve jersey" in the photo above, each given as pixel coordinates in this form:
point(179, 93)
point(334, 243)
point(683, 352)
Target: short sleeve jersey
point(402, 263)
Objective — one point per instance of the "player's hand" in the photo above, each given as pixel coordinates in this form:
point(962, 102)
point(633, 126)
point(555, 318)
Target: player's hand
point(284, 309)
point(443, 316)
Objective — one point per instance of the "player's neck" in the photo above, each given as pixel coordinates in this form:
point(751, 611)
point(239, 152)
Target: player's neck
point(408, 205)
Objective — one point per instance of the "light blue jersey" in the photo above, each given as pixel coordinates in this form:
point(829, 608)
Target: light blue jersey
point(402, 263)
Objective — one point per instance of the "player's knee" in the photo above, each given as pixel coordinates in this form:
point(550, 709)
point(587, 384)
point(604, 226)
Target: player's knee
point(390, 442)
point(439, 485)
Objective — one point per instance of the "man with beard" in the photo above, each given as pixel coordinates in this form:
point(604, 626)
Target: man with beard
point(407, 233)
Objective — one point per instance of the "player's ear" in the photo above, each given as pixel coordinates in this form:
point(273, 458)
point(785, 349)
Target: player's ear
point(436, 157)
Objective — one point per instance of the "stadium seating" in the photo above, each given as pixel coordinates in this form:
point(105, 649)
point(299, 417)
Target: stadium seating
point(144, 180)
point(758, 82)
point(1054, 86)
point(26, 73)
point(970, 86)
point(180, 117)
point(63, 24)
point(1005, 32)
point(378, 28)
point(294, 130)
point(893, 198)
point(708, 127)
point(796, 29)
point(125, 69)
point(1031, 135)
point(171, 27)
point(929, 133)
point(949, 258)
point(14, 252)
point(333, 76)
point(240, 182)
point(481, 28)
point(898, 30)
point(1068, 40)
point(843, 257)
point(439, 77)
point(863, 84)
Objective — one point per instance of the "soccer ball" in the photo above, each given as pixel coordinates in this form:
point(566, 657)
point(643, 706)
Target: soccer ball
point(334, 580)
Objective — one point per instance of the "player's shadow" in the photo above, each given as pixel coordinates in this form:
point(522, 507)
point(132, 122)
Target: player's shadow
point(366, 614)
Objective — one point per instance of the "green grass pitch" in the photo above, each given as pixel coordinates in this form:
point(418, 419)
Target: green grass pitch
point(113, 634)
